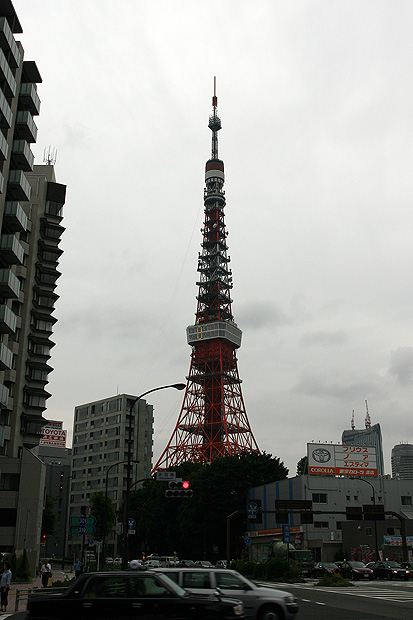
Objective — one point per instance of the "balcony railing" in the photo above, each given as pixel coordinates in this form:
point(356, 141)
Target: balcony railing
point(4, 395)
point(25, 128)
point(21, 156)
point(15, 217)
point(11, 250)
point(8, 43)
point(7, 77)
point(18, 187)
point(6, 114)
point(29, 99)
point(9, 284)
point(8, 320)
point(6, 357)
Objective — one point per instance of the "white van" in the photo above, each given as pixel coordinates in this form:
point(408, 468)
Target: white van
point(169, 561)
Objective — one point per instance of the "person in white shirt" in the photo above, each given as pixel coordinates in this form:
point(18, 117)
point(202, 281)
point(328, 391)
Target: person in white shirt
point(46, 573)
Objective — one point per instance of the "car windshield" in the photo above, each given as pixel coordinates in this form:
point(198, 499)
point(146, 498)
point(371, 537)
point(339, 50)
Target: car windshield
point(329, 565)
point(357, 565)
point(393, 565)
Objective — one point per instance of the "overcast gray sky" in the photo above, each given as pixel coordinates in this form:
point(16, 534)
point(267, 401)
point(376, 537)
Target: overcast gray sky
point(316, 101)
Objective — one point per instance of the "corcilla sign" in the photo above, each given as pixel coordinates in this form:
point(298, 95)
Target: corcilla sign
point(339, 460)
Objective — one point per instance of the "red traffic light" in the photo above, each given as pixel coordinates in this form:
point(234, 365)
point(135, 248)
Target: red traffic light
point(43, 536)
point(185, 484)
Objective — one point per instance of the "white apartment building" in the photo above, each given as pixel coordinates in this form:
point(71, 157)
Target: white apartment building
point(100, 451)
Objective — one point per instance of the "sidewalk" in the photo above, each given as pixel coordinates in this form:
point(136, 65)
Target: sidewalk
point(36, 583)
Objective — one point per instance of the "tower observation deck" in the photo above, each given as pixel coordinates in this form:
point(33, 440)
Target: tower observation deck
point(213, 422)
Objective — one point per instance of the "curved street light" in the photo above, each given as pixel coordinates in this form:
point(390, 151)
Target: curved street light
point(105, 507)
point(374, 503)
point(176, 386)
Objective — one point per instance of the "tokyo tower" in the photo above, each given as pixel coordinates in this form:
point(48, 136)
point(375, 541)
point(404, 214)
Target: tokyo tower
point(213, 422)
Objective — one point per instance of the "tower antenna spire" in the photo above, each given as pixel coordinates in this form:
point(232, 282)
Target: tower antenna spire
point(214, 122)
point(352, 421)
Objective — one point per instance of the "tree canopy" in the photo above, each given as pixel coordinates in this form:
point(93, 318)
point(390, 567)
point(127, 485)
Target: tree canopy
point(196, 527)
point(302, 466)
point(105, 518)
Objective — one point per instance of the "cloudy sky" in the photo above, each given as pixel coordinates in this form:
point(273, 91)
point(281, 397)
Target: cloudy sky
point(316, 101)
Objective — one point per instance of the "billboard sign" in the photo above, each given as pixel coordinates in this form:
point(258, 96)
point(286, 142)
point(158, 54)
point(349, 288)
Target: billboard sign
point(339, 460)
point(53, 437)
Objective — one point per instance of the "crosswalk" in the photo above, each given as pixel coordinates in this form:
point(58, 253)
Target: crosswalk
point(385, 593)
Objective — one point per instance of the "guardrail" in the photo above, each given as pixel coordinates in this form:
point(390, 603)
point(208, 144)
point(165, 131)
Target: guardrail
point(22, 595)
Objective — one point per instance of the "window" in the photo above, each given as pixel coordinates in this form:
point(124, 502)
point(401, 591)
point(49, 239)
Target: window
point(320, 498)
point(338, 525)
point(356, 498)
point(81, 414)
point(225, 580)
point(369, 531)
point(347, 498)
point(9, 482)
point(114, 405)
point(197, 579)
point(321, 524)
point(406, 500)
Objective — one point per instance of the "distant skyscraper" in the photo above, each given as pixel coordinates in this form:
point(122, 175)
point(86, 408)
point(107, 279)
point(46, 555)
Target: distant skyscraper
point(370, 437)
point(402, 461)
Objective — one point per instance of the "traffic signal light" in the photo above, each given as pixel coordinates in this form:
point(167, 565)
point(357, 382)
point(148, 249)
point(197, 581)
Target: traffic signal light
point(43, 540)
point(178, 488)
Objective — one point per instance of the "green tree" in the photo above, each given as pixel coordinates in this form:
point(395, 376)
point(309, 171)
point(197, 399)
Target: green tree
point(196, 527)
point(302, 466)
point(23, 569)
point(49, 516)
point(105, 517)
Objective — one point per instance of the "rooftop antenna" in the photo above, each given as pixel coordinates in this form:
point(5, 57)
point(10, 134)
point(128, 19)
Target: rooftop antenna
point(352, 422)
point(50, 156)
point(368, 421)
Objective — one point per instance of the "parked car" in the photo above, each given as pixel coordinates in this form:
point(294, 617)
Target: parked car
point(324, 568)
point(186, 563)
point(260, 603)
point(408, 565)
point(153, 564)
point(355, 570)
point(221, 564)
point(109, 560)
point(117, 561)
point(203, 564)
point(390, 570)
point(123, 594)
point(169, 560)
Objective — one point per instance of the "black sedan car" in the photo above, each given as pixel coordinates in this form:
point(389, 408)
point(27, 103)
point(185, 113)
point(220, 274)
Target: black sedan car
point(390, 570)
point(355, 570)
point(323, 568)
point(131, 595)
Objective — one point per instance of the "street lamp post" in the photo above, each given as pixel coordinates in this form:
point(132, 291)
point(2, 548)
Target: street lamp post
point(105, 507)
point(375, 522)
point(176, 386)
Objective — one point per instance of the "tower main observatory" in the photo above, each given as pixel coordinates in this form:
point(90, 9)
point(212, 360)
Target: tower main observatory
point(213, 422)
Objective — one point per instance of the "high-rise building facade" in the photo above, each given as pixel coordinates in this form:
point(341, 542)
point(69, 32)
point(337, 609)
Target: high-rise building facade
point(31, 203)
point(370, 437)
point(402, 461)
point(100, 452)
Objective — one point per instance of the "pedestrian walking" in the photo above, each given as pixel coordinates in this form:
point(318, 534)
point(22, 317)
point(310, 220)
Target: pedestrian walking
point(46, 573)
point(78, 568)
point(5, 583)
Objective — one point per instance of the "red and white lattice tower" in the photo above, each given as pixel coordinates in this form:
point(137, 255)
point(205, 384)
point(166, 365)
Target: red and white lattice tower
point(213, 422)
